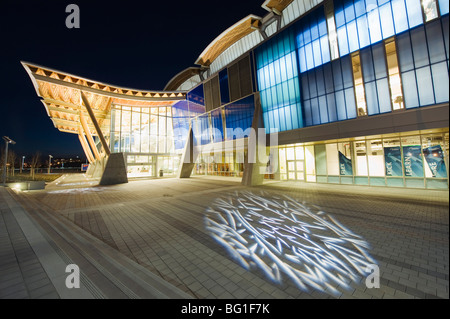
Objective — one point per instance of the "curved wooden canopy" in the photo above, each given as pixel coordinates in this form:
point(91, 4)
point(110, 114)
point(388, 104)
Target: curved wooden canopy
point(228, 38)
point(278, 5)
point(182, 77)
point(61, 96)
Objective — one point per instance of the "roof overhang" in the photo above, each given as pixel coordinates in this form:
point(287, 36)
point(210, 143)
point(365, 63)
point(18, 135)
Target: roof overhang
point(61, 96)
point(276, 6)
point(182, 77)
point(230, 36)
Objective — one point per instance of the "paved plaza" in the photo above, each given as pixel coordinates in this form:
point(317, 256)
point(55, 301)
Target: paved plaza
point(166, 238)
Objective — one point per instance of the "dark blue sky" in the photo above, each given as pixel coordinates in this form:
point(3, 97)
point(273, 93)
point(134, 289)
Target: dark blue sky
point(135, 44)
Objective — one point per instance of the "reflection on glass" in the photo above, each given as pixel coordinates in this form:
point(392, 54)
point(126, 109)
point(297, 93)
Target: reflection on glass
point(332, 34)
point(359, 85)
point(394, 76)
point(361, 158)
point(376, 158)
point(430, 9)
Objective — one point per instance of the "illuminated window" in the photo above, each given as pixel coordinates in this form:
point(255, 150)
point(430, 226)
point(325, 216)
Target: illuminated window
point(332, 34)
point(360, 151)
point(376, 158)
point(395, 82)
point(430, 9)
point(359, 85)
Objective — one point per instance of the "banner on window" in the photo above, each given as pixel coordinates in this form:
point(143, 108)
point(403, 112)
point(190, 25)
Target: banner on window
point(434, 157)
point(345, 165)
point(393, 161)
point(412, 159)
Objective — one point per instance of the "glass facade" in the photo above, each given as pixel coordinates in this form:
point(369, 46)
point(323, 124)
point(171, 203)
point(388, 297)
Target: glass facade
point(145, 135)
point(277, 69)
point(415, 161)
point(391, 53)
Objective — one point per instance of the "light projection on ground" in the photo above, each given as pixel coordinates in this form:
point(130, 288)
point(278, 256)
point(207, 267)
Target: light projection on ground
point(286, 239)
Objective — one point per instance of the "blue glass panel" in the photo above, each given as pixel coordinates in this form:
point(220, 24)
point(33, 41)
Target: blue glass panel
point(322, 24)
point(379, 61)
point(414, 11)
point(180, 114)
point(350, 103)
point(302, 58)
point(404, 51)
point(419, 46)
point(328, 75)
point(424, 85)
point(331, 103)
point(384, 95)
point(307, 113)
point(309, 56)
point(374, 26)
point(387, 22)
point(276, 65)
point(288, 117)
point(324, 44)
point(314, 30)
point(197, 95)
point(352, 34)
point(342, 40)
point(410, 89)
point(315, 111)
point(349, 11)
point(294, 117)
point(347, 71)
point(312, 83)
point(337, 75)
point(363, 31)
point(371, 98)
point(323, 109)
point(339, 13)
point(320, 81)
point(443, 6)
point(305, 86)
point(371, 5)
point(435, 41)
point(440, 82)
point(360, 7)
point(307, 35)
point(401, 19)
point(224, 89)
point(340, 105)
point(300, 41)
point(239, 115)
point(283, 69)
point(282, 118)
point(317, 53)
point(301, 120)
point(381, 2)
point(445, 29)
point(291, 65)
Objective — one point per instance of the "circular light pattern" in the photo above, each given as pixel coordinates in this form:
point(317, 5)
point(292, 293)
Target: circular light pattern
point(286, 239)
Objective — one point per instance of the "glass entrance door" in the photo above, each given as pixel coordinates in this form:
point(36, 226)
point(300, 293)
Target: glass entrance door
point(296, 170)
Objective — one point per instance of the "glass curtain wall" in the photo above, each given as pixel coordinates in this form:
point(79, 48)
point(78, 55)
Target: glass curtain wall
point(415, 161)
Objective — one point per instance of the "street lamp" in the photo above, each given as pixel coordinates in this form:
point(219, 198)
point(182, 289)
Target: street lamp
point(49, 162)
point(7, 142)
point(21, 168)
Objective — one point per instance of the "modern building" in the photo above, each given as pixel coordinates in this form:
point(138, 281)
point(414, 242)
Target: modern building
point(356, 91)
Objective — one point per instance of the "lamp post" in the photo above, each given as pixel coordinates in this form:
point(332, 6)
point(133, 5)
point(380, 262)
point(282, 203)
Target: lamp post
point(7, 142)
point(49, 163)
point(21, 167)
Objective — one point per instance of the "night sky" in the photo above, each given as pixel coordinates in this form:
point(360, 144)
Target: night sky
point(134, 44)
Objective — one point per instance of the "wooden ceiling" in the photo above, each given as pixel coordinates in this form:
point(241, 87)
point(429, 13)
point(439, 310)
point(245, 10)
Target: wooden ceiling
point(60, 93)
